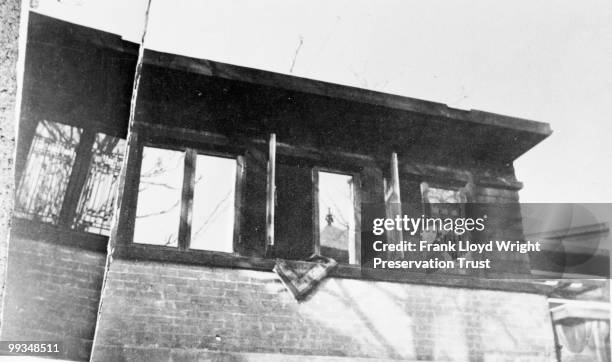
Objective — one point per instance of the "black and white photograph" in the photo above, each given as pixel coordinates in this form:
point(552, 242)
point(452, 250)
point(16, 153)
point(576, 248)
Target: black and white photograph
point(291, 180)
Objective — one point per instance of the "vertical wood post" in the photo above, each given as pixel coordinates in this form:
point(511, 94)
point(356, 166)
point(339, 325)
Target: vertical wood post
point(77, 178)
point(393, 201)
point(184, 235)
point(271, 191)
point(395, 182)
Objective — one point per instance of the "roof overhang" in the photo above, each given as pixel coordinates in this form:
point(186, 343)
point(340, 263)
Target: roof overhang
point(413, 123)
point(403, 124)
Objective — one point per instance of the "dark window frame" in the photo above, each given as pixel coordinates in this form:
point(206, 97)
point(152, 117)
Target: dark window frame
point(356, 204)
point(65, 227)
point(125, 249)
point(238, 193)
point(150, 137)
point(213, 144)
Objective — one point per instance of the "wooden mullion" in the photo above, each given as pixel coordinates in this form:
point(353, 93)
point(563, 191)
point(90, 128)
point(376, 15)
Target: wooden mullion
point(395, 201)
point(425, 199)
point(357, 206)
point(187, 199)
point(78, 176)
point(315, 212)
point(271, 193)
point(128, 189)
point(238, 202)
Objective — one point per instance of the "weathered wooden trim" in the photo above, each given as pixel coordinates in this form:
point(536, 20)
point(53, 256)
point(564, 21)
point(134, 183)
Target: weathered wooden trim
point(226, 260)
point(78, 176)
point(184, 234)
point(129, 194)
point(284, 149)
point(358, 215)
point(315, 211)
point(427, 172)
point(456, 177)
point(56, 234)
point(271, 191)
point(393, 202)
point(250, 75)
point(499, 183)
point(239, 196)
point(395, 180)
point(182, 134)
point(80, 35)
point(326, 156)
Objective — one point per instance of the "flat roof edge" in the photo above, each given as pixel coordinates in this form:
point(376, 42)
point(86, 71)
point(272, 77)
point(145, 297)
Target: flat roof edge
point(300, 84)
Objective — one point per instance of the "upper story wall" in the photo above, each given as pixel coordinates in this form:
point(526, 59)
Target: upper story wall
point(241, 102)
point(197, 103)
point(76, 76)
point(83, 77)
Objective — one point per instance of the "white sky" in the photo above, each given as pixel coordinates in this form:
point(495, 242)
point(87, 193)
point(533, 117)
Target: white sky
point(545, 60)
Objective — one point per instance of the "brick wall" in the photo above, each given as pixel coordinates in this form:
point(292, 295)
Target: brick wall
point(52, 294)
point(157, 311)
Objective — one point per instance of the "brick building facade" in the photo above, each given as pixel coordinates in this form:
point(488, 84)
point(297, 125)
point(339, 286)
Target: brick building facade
point(145, 284)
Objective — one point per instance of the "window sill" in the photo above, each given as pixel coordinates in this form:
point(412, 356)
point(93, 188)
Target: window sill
point(227, 260)
point(55, 234)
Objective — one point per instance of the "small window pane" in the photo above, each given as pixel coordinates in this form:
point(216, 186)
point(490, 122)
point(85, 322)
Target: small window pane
point(440, 195)
point(444, 202)
point(44, 181)
point(159, 197)
point(337, 216)
point(213, 204)
point(95, 208)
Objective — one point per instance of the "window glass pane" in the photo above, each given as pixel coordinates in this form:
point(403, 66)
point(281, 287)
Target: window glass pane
point(159, 197)
point(439, 195)
point(95, 208)
point(212, 225)
point(337, 216)
point(445, 202)
point(44, 181)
